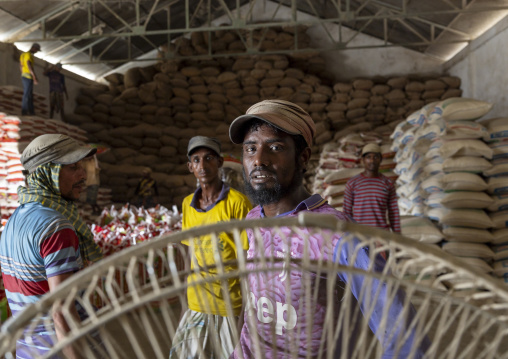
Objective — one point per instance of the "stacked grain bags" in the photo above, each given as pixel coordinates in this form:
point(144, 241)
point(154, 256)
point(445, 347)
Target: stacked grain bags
point(447, 149)
point(11, 98)
point(497, 187)
point(16, 132)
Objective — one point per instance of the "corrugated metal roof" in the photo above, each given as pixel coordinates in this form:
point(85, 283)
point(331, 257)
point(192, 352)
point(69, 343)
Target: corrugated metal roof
point(100, 36)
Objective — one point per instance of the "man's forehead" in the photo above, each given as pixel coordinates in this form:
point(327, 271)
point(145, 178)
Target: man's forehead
point(203, 151)
point(265, 133)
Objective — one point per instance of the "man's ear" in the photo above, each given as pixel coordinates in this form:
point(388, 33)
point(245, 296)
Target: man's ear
point(189, 166)
point(305, 157)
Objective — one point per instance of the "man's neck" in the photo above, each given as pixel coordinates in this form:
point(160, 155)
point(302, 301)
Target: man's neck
point(210, 192)
point(371, 174)
point(287, 203)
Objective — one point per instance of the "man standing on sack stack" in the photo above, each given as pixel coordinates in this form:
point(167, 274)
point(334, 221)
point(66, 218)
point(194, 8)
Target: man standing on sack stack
point(370, 195)
point(29, 79)
point(45, 241)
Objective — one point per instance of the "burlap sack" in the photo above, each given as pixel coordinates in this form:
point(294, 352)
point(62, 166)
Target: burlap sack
point(284, 92)
point(114, 78)
point(352, 114)
point(336, 107)
point(167, 151)
point(360, 94)
point(379, 90)
point(135, 143)
point(234, 92)
point(269, 82)
point(216, 97)
point(210, 71)
point(267, 92)
point(312, 80)
point(200, 98)
point(226, 76)
point(397, 82)
point(233, 84)
point(161, 77)
point(132, 77)
point(263, 65)
point(85, 100)
point(342, 87)
point(77, 119)
point(363, 84)
point(318, 107)
point(396, 94)
point(182, 93)
point(300, 97)
point(433, 93)
point(178, 82)
point(415, 86)
point(198, 89)
point(358, 103)
point(451, 81)
point(129, 93)
point(168, 141)
point(451, 93)
point(152, 151)
point(340, 97)
point(432, 85)
point(243, 64)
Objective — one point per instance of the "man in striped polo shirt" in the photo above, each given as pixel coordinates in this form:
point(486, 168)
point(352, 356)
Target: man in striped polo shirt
point(370, 195)
point(45, 241)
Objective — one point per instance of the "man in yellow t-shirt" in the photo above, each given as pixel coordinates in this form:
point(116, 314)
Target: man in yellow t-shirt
point(29, 79)
point(212, 202)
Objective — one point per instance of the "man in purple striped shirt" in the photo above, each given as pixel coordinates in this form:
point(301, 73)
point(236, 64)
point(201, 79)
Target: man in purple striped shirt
point(370, 195)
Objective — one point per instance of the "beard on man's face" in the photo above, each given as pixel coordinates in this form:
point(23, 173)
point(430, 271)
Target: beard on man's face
point(264, 195)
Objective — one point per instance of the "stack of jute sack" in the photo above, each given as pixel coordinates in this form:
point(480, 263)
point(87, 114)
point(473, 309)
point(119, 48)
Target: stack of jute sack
point(16, 132)
point(497, 187)
point(441, 158)
point(11, 98)
point(148, 114)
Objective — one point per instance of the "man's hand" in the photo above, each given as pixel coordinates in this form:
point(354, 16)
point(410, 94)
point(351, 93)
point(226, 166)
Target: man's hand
point(61, 324)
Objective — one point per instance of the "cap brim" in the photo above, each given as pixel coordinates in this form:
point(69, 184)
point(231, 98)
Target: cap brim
point(237, 127)
point(75, 155)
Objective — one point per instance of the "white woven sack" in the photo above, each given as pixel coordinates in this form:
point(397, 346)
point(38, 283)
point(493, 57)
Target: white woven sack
point(477, 250)
point(342, 175)
point(433, 183)
point(499, 219)
point(435, 200)
point(497, 128)
point(475, 218)
point(458, 108)
point(465, 130)
point(497, 185)
point(437, 214)
point(434, 166)
point(499, 149)
point(463, 181)
point(499, 236)
point(466, 164)
point(334, 190)
point(496, 171)
point(466, 234)
point(418, 210)
point(466, 199)
point(421, 229)
point(434, 149)
point(500, 251)
point(336, 201)
point(457, 148)
point(500, 268)
point(500, 203)
point(478, 264)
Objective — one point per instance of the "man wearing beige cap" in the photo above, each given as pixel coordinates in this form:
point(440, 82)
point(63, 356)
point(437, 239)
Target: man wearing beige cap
point(369, 196)
point(212, 202)
point(279, 320)
point(45, 241)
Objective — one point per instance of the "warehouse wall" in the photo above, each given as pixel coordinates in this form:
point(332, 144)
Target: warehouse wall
point(482, 68)
point(10, 75)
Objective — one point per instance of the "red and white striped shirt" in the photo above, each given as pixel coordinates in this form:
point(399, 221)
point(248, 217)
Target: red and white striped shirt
point(368, 198)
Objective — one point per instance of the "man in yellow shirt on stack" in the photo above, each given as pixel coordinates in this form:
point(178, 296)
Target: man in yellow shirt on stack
point(29, 79)
point(212, 202)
